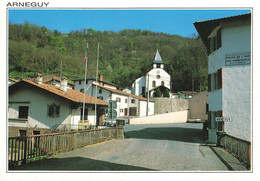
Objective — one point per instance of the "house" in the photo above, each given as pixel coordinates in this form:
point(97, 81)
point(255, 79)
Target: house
point(90, 79)
point(198, 106)
point(55, 80)
point(11, 80)
point(127, 104)
point(35, 107)
point(188, 94)
point(228, 43)
point(153, 79)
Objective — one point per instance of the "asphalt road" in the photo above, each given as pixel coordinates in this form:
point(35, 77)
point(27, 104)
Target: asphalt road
point(171, 147)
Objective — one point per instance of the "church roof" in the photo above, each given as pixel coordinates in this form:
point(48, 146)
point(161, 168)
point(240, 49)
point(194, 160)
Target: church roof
point(158, 58)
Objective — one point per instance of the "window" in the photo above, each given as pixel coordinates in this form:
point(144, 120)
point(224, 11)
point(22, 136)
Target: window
point(81, 90)
point(53, 110)
point(23, 111)
point(207, 108)
point(133, 101)
point(125, 100)
point(100, 91)
point(85, 114)
point(153, 84)
point(158, 65)
point(118, 99)
point(215, 80)
point(100, 97)
point(162, 83)
point(80, 82)
point(214, 41)
point(143, 91)
point(22, 132)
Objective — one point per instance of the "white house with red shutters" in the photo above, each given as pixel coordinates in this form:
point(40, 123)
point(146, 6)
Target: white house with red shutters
point(228, 42)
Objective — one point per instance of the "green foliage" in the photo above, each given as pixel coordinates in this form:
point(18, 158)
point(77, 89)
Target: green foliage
point(166, 93)
point(123, 57)
point(158, 93)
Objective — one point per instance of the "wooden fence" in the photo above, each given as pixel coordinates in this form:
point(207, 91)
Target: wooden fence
point(23, 148)
point(240, 148)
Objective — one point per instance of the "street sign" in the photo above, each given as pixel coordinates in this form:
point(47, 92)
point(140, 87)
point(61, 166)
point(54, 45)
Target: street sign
point(224, 119)
point(112, 104)
point(112, 114)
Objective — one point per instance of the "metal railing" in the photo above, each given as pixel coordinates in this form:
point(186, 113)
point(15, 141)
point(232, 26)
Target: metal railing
point(22, 149)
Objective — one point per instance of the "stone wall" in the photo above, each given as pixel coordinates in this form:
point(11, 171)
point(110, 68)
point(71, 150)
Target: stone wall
point(166, 105)
point(14, 131)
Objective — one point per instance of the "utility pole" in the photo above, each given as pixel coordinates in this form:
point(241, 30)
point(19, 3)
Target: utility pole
point(147, 107)
point(192, 87)
point(96, 86)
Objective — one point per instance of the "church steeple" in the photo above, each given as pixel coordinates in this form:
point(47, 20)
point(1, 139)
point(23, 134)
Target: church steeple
point(158, 63)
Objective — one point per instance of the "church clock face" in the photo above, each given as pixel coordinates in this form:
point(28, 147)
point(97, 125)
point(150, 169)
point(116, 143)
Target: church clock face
point(158, 76)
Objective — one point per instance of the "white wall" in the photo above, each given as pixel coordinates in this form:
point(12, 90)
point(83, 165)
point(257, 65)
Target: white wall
point(164, 77)
point(175, 117)
point(122, 104)
point(235, 96)
point(143, 108)
point(38, 109)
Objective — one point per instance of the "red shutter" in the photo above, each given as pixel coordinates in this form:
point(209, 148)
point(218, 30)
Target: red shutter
point(219, 38)
point(220, 124)
point(220, 78)
point(209, 82)
point(209, 119)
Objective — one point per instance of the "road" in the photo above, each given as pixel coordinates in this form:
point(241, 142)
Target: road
point(171, 147)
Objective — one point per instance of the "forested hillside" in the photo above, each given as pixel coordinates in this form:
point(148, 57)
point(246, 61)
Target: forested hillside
point(124, 56)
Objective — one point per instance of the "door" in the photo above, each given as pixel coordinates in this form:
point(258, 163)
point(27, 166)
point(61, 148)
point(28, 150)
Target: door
point(125, 111)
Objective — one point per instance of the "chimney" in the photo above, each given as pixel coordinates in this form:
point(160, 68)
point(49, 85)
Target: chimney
point(38, 79)
point(64, 85)
point(100, 79)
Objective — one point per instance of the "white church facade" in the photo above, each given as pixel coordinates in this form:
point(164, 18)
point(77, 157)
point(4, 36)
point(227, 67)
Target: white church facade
point(157, 78)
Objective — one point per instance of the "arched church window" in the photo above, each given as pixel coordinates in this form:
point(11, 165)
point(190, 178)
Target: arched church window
point(162, 83)
point(154, 84)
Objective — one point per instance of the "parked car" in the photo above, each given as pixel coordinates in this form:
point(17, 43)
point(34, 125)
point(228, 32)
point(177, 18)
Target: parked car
point(107, 124)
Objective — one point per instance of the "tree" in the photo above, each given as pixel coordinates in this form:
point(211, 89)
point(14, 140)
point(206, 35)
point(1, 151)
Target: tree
point(166, 93)
point(157, 93)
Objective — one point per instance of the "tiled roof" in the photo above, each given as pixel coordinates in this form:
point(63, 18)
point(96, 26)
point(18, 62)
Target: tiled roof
point(92, 77)
point(123, 93)
point(71, 94)
point(13, 79)
point(204, 28)
point(54, 77)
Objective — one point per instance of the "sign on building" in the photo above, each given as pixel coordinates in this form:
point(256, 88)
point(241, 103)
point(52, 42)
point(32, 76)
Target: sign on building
point(225, 119)
point(238, 59)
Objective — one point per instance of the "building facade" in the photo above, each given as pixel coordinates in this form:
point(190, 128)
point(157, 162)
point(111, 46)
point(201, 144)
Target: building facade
point(157, 77)
point(37, 107)
point(228, 42)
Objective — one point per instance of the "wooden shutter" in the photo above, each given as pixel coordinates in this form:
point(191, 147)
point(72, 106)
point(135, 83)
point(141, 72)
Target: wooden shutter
point(220, 124)
point(208, 46)
point(220, 78)
point(219, 43)
point(209, 119)
point(209, 82)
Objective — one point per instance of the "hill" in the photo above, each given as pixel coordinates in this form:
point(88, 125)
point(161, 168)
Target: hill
point(124, 56)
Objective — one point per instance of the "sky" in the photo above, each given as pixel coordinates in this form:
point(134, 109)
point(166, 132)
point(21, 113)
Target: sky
point(170, 21)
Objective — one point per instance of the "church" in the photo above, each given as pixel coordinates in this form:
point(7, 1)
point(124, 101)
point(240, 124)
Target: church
point(156, 79)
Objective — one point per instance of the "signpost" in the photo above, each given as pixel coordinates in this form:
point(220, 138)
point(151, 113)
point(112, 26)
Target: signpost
point(112, 114)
